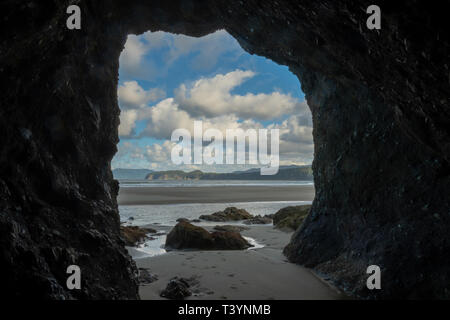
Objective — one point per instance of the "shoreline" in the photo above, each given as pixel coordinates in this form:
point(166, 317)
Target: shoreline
point(214, 194)
point(255, 274)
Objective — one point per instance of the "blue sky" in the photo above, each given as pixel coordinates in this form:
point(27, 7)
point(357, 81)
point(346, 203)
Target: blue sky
point(167, 81)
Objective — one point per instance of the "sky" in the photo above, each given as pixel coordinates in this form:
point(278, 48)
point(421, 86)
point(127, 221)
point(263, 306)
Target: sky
point(168, 81)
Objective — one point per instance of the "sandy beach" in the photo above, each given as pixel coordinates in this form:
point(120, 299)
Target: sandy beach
point(262, 273)
point(259, 274)
point(174, 195)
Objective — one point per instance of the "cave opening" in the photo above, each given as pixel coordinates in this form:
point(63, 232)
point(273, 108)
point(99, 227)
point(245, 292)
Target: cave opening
point(169, 82)
point(379, 102)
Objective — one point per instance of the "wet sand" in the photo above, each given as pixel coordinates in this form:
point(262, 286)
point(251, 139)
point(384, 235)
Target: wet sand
point(258, 274)
point(213, 194)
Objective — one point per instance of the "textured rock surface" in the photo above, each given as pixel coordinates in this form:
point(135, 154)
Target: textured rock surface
point(290, 218)
point(230, 228)
point(134, 235)
point(187, 236)
point(229, 214)
point(258, 220)
point(177, 289)
point(381, 130)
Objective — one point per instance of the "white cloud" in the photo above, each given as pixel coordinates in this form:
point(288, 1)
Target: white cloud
point(296, 140)
point(211, 97)
point(211, 100)
point(131, 56)
point(294, 129)
point(296, 143)
point(131, 95)
point(127, 122)
point(159, 153)
point(207, 49)
point(165, 117)
point(204, 52)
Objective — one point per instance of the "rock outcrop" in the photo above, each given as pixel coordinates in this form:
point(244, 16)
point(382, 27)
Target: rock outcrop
point(229, 214)
point(187, 236)
point(229, 240)
point(290, 218)
point(146, 277)
point(380, 106)
point(230, 228)
point(134, 235)
point(177, 289)
point(258, 220)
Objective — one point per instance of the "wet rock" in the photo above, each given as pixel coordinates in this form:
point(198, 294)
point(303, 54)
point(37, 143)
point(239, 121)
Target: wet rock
point(290, 218)
point(187, 236)
point(379, 102)
point(145, 277)
point(230, 228)
point(258, 220)
point(183, 220)
point(177, 289)
point(134, 235)
point(229, 214)
point(228, 240)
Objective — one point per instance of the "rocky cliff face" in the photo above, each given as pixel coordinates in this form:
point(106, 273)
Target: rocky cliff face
point(380, 104)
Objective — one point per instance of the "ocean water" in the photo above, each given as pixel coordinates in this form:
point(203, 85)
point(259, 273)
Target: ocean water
point(167, 214)
point(209, 183)
point(164, 216)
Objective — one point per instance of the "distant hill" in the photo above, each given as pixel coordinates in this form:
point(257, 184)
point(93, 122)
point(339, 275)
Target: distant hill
point(131, 174)
point(293, 173)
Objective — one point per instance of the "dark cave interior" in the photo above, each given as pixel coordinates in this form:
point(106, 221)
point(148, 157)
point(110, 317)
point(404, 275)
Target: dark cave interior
point(380, 106)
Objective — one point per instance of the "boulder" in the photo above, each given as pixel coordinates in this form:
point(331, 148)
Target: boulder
point(228, 240)
point(230, 228)
point(187, 220)
point(258, 220)
point(177, 289)
point(145, 277)
point(187, 236)
point(229, 214)
point(133, 235)
point(290, 218)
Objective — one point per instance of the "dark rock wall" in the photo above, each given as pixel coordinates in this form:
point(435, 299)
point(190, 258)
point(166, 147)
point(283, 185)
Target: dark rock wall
point(380, 104)
point(58, 129)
